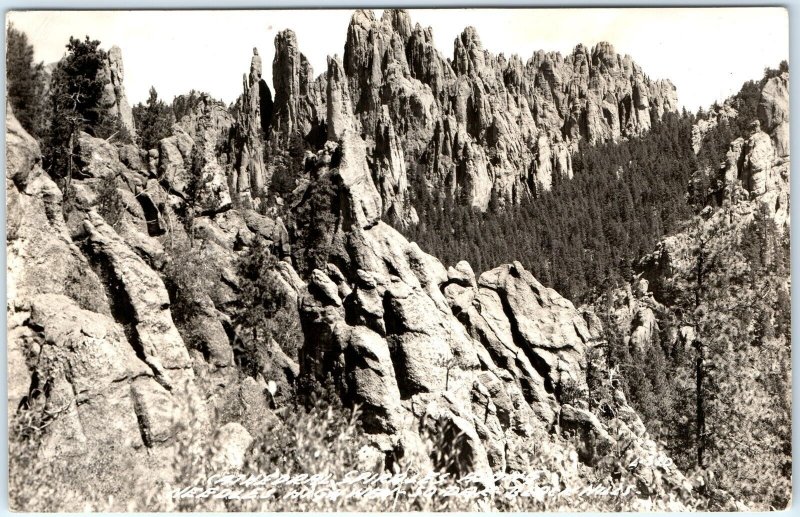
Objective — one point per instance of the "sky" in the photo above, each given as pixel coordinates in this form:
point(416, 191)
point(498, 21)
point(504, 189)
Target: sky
point(706, 52)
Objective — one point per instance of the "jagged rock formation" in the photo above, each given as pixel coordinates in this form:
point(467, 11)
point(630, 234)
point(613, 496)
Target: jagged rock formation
point(495, 358)
point(477, 125)
point(773, 112)
point(491, 357)
point(197, 156)
point(756, 176)
point(90, 333)
point(299, 108)
point(92, 337)
point(114, 99)
point(632, 311)
point(364, 207)
point(706, 124)
point(387, 161)
point(415, 344)
point(250, 177)
point(286, 73)
point(758, 165)
point(758, 157)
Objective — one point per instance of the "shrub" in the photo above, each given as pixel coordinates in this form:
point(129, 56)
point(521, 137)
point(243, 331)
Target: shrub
point(109, 201)
point(314, 222)
point(190, 278)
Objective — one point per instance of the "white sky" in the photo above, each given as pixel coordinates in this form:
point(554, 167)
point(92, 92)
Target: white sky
point(706, 52)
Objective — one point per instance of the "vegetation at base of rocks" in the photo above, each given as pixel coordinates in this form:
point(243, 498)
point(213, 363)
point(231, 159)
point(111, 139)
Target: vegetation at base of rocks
point(75, 105)
point(265, 313)
point(190, 280)
point(26, 82)
point(720, 402)
point(737, 301)
point(321, 438)
point(153, 120)
point(105, 478)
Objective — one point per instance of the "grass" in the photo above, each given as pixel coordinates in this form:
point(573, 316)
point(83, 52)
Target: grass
point(326, 441)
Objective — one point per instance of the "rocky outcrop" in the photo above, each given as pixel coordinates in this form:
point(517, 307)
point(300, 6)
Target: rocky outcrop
point(705, 124)
point(388, 167)
point(91, 329)
point(114, 100)
point(633, 312)
point(299, 108)
point(250, 177)
point(764, 164)
point(90, 336)
point(141, 294)
point(97, 157)
point(209, 125)
point(196, 160)
point(493, 363)
point(773, 111)
point(421, 348)
point(477, 125)
point(757, 164)
point(758, 157)
point(364, 201)
point(286, 78)
point(175, 160)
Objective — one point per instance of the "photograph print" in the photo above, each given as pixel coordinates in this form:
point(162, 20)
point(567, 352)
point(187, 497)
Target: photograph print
point(391, 260)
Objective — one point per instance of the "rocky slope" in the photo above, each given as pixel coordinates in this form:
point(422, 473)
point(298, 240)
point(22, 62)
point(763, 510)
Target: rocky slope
point(714, 297)
point(755, 179)
point(497, 359)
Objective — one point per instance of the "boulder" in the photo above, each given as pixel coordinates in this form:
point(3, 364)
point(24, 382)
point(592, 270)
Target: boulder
point(595, 440)
point(91, 366)
point(462, 274)
point(230, 444)
point(97, 158)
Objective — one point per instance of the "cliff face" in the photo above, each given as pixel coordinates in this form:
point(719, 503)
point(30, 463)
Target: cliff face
point(479, 124)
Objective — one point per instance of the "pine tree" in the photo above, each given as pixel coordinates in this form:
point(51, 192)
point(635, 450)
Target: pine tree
point(75, 98)
point(154, 120)
point(25, 82)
